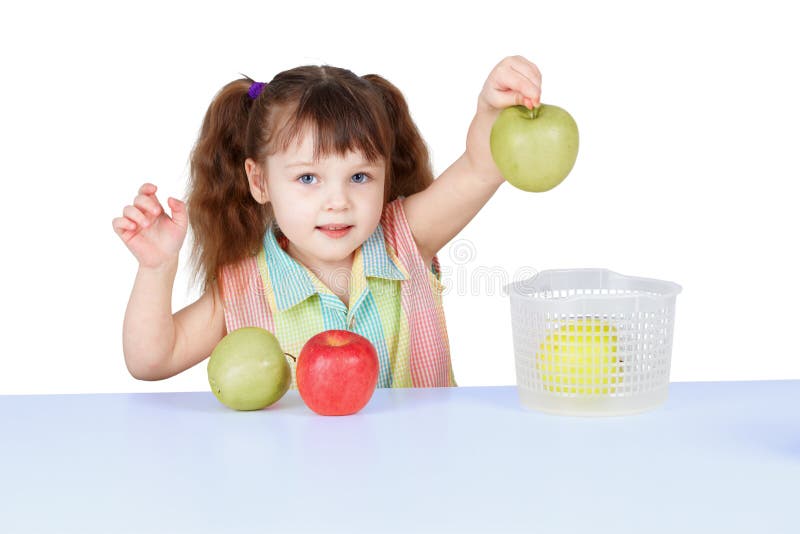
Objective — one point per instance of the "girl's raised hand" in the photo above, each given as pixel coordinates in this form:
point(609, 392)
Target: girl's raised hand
point(150, 234)
point(514, 81)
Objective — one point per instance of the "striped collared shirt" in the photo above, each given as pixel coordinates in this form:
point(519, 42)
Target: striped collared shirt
point(395, 301)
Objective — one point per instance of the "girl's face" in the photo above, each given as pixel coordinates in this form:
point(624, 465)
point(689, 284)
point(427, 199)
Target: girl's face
point(335, 191)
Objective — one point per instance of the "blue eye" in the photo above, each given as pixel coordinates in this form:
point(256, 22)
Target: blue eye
point(361, 174)
point(307, 176)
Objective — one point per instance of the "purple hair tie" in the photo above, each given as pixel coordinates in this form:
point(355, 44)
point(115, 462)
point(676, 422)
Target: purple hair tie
point(255, 89)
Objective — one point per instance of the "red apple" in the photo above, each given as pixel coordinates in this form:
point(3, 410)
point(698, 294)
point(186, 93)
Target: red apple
point(337, 371)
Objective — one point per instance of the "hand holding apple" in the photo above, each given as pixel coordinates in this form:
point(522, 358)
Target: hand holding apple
point(513, 81)
point(337, 371)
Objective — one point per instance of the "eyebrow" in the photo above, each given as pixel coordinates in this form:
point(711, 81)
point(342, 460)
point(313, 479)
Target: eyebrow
point(362, 163)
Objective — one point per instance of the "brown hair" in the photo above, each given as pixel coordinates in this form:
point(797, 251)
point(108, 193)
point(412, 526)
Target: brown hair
point(346, 112)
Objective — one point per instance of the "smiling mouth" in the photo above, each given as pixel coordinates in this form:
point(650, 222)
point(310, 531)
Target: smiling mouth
point(335, 227)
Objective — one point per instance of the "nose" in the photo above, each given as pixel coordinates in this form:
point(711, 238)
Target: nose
point(336, 198)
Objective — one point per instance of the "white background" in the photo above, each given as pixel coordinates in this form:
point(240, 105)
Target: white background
point(687, 169)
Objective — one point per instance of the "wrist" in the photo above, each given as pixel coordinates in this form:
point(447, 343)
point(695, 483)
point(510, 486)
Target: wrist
point(167, 267)
point(478, 155)
point(484, 172)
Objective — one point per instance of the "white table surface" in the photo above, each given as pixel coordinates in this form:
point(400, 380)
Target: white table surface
point(717, 457)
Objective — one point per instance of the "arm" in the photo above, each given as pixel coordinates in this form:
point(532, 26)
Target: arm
point(148, 333)
point(158, 344)
point(437, 214)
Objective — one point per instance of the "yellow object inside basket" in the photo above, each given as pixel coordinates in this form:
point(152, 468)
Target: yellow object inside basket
point(580, 357)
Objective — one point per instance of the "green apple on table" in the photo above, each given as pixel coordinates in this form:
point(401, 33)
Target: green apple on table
point(535, 149)
point(248, 369)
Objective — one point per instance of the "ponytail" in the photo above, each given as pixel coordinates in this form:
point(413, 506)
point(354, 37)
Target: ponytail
point(227, 223)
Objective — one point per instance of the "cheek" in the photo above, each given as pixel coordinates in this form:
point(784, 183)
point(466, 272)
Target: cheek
point(290, 209)
point(371, 199)
point(375, 208)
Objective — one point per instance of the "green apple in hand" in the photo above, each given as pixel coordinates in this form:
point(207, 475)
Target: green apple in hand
point(248, 370)
point(534, 149)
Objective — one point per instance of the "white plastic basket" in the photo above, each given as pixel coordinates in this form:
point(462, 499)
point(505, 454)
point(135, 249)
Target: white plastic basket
point(591, 341)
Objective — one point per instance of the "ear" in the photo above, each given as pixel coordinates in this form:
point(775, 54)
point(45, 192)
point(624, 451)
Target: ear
point(257, 180)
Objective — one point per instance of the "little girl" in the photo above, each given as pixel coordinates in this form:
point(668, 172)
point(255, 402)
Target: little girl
point(313, 207)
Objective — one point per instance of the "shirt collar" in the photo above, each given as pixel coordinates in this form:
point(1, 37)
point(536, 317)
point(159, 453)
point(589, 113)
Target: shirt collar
point(292, 283)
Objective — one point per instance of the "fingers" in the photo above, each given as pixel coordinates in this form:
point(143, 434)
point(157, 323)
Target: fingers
point(141, 214)
point(145, 210)
point(517, 81)
point(147, 202)
point(135, 215)
point(147, 189)
point(122, 226)
point(531, 73)
point(179, 215)
point(527, 68)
